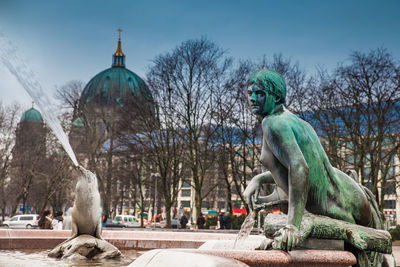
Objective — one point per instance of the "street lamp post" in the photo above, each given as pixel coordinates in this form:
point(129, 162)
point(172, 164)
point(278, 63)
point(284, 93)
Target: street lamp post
point(155, 202)
point(155, 175)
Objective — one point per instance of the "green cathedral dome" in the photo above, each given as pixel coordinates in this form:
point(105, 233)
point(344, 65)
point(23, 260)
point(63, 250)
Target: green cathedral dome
point(114, 86)
point(32, 115)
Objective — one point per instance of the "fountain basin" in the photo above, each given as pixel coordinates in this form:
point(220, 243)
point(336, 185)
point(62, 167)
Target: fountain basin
point(135, 239)
point(145, 240)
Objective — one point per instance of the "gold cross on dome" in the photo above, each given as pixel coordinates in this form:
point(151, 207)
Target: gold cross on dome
point(119, 32)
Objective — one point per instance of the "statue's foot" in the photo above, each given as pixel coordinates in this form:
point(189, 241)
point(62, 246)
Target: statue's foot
point(356, 240)
point(286, 238)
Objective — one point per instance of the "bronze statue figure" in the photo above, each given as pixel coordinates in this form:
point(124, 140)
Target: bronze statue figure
point(299, 167)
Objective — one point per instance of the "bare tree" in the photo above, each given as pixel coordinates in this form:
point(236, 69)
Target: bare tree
point(8, 122)
point(359, 112)
point(370, 92)
point(54, 184)
point(140, 181)
point(155, 139)
point(192, 72)
point(70, 93)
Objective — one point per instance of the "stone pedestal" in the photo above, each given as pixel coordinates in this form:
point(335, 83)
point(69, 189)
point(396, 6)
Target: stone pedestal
point(254, 243)
point(312, 252)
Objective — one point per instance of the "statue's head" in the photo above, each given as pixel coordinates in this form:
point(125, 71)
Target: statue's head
point(266, 90)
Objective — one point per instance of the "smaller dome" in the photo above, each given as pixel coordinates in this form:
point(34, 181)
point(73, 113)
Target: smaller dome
point(32, 115)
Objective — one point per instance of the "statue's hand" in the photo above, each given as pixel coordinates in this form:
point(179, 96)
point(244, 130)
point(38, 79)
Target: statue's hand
point(251, 193)
point(286, 238)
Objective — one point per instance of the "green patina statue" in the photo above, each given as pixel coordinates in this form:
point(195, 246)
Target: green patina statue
point(299, 167)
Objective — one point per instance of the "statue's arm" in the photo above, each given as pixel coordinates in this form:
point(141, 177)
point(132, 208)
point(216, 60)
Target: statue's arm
point(284, 146)
point(253, 188)
point(264, 178)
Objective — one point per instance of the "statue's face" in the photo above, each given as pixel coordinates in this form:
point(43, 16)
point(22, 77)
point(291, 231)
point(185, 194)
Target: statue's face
point(261, 102)
point(256, 96)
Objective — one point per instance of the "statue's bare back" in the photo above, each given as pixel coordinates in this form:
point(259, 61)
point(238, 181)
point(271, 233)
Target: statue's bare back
point(323, 181)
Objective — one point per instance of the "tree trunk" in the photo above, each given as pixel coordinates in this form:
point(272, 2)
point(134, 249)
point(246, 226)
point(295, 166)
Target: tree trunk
point(229, 200)
point(23, 205)
point(134, 203)
point(198, 202)
point(122, 201)
point(168, 211)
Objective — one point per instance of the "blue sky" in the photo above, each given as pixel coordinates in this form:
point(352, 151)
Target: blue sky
point(68, 40)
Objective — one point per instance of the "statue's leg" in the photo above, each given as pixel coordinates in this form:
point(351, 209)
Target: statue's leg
point(339, 213)
point(349, 201)
point(377, 221)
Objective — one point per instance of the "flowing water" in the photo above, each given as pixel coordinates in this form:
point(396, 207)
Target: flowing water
point(9, 56)
point(245, 230)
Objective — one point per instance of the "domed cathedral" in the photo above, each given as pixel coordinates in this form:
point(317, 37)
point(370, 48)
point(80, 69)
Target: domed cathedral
point(30, 142)
point(104, 101)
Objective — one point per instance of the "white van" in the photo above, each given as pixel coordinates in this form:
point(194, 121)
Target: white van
point(128, 220)
point(22, 221)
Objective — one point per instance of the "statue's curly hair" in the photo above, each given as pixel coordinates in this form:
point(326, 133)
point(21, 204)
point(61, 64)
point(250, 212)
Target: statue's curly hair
point(272, 82)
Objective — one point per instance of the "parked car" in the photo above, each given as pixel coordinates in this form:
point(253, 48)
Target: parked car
point(174, 224)
point(114, 224)
point(22, 221)
point(128, 220)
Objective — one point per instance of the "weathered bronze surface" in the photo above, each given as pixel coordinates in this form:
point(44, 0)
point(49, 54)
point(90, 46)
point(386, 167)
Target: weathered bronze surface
point(299, 167)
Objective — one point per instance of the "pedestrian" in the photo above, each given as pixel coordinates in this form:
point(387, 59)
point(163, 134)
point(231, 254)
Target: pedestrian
point(200, 222)
point(104, 220)
point(57, 222)
point(221, 220)
point(228, 220)
point(183, 221)
point(45, 220)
